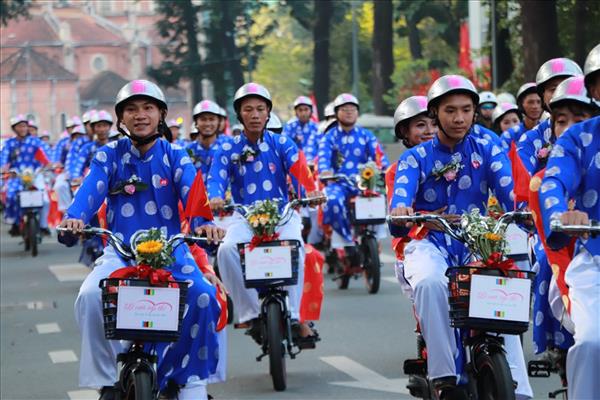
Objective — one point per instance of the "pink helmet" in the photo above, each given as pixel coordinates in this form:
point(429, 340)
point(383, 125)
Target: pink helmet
point(206, 106)
point(571, 89)
point(101, 115)
point(302, 101)
point(345, 98)
point(73, 121)
point(502, 109)
point(448, 84)
point(251, 90)
point(18, 119)
point(554, 68)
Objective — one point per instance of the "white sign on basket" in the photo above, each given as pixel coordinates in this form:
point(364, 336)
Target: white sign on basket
point(268, 262)
point(31, 198)
point(517, 240)
point(495, 297)
point(148, 308)
point(370, 208)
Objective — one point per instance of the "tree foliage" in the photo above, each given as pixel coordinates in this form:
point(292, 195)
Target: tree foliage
point(14, 9)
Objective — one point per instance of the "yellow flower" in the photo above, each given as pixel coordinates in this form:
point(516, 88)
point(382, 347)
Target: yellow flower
point(253, 219)
point(263, 219)
point(492, 236)
point(150, 247)
point(367, 173)
point(27, 179)
point(492, 202)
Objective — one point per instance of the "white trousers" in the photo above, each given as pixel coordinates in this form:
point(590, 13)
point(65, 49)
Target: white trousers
point(62, 188)
point(98, 365)
point(424, 270)
point(40, 184)
point(583, 359)
point(246, 301)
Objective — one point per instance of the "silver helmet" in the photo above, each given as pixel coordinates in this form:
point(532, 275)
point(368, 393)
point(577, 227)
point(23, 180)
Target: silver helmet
point(303, 101)
point(274, 124)
point(101, 115)
point(408, 108)
point(572, 89)
point(345, 98)
point(502, 109)
point(524, 90)
point(193, 128)
point(450, 84)
point(73, 121)
point(87, 116)
point(32, 123)
point(139, 87)
point(592, 64)
point(251, 90)
point(44, 134)
point(78, 129)
point(206, 106)
point(487, 97)
point(222, 112)
point(16, 119)
point(506, 97)
point(329, 111)
point(553, 68)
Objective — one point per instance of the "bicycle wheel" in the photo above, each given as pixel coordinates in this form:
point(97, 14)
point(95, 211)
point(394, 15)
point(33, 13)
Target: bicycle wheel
point(139, 385)
point(25, 233)
point(372, 265)
point(276, 346)
point(32, 234)
point(494, 380)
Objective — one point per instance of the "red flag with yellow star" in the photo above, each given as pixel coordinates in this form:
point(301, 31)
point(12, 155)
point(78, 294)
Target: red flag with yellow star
point(197, 202)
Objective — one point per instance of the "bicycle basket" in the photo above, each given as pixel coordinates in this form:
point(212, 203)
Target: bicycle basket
point(368, 210)
point(485, 299)
point(270, 263)
point(135, 310)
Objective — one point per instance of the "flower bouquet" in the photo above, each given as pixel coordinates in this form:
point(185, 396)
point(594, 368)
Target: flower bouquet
point(448, 171)
point(27, 177)
point(370, 180)
point(152, 254)
point(263, 219)
point(543, 153)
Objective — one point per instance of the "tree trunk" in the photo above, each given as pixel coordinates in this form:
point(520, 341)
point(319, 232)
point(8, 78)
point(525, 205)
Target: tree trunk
point(231, 51)
point(194, 62)
point(580, 27)
point(540, 34)
point(321, 33)
point(414, 39)
point(383, 58)
point(504, 63)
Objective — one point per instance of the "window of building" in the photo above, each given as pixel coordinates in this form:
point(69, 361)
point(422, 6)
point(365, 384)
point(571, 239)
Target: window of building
point(63, 121)
point(99, 63)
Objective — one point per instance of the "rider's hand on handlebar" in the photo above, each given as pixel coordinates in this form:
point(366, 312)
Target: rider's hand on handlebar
point(213, 233)
point(216, 282)
point(316, 194)
point(72, 224)
point(326, 174)
point(575, 217)
point(217, 204)
point(401, 211)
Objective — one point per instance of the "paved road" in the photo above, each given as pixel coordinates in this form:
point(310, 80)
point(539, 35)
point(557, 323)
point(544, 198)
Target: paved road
point(365, 338)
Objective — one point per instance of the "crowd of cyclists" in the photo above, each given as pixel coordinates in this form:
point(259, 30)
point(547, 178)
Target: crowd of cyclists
point(136, 171)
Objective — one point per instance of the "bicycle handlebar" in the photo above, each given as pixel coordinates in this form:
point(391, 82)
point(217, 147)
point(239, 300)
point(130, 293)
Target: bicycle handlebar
point(593, 228)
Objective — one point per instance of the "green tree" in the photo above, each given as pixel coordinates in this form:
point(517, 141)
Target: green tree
point(383, 57)
point(179, 25)
point(14, 9)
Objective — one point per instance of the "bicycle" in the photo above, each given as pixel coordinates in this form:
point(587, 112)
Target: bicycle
point(366, 210)
point(486, 368)
point(137, 368)
point(31, 202)
point(268, 267)
point(555, 360)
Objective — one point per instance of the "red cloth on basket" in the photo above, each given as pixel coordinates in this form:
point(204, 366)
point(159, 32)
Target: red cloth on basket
point(313, 292)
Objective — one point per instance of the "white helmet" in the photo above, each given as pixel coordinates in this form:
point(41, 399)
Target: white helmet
point(222, 112)
point(329, 111)
point(572, 89)
point(274, 123)
point(502, 109)
point(139, 87)
point(448, 84)
point(193, 128)
point(506, 97)
point(487, 97)
point(73, 121)
point(408, 108)
point(303, 101)
point(87, 116)
point(345, 98)
point(44, 134)
point(524, 90)
point(101, 115)
point(554, 68)
point(592, 64)
point(78, 129)
point(251, 90)
point(18, 119)
point(206, 106)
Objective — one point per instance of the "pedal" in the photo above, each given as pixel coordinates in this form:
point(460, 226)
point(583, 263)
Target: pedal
point(417, 366)
point(417, 387)
point(562, 392)
point(539, 369)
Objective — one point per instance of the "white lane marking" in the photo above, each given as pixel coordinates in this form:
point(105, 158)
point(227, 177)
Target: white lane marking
point(387, 258)
point(51, 327)
point(83, 395)
point(62, 356)
point(69, 272)
point(391, 279)
point(364, 378)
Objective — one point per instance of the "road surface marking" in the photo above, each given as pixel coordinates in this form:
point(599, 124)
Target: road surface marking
point(83, 395)
point(62, 356)
point(364, 378)
point(51, 327)
point(387, 258)
point(69, 272)
point(391, 279)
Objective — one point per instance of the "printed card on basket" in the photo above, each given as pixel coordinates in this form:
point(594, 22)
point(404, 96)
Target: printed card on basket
point(500, 298)
point(269, 262)
point(148, 308)
point(370, 208)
